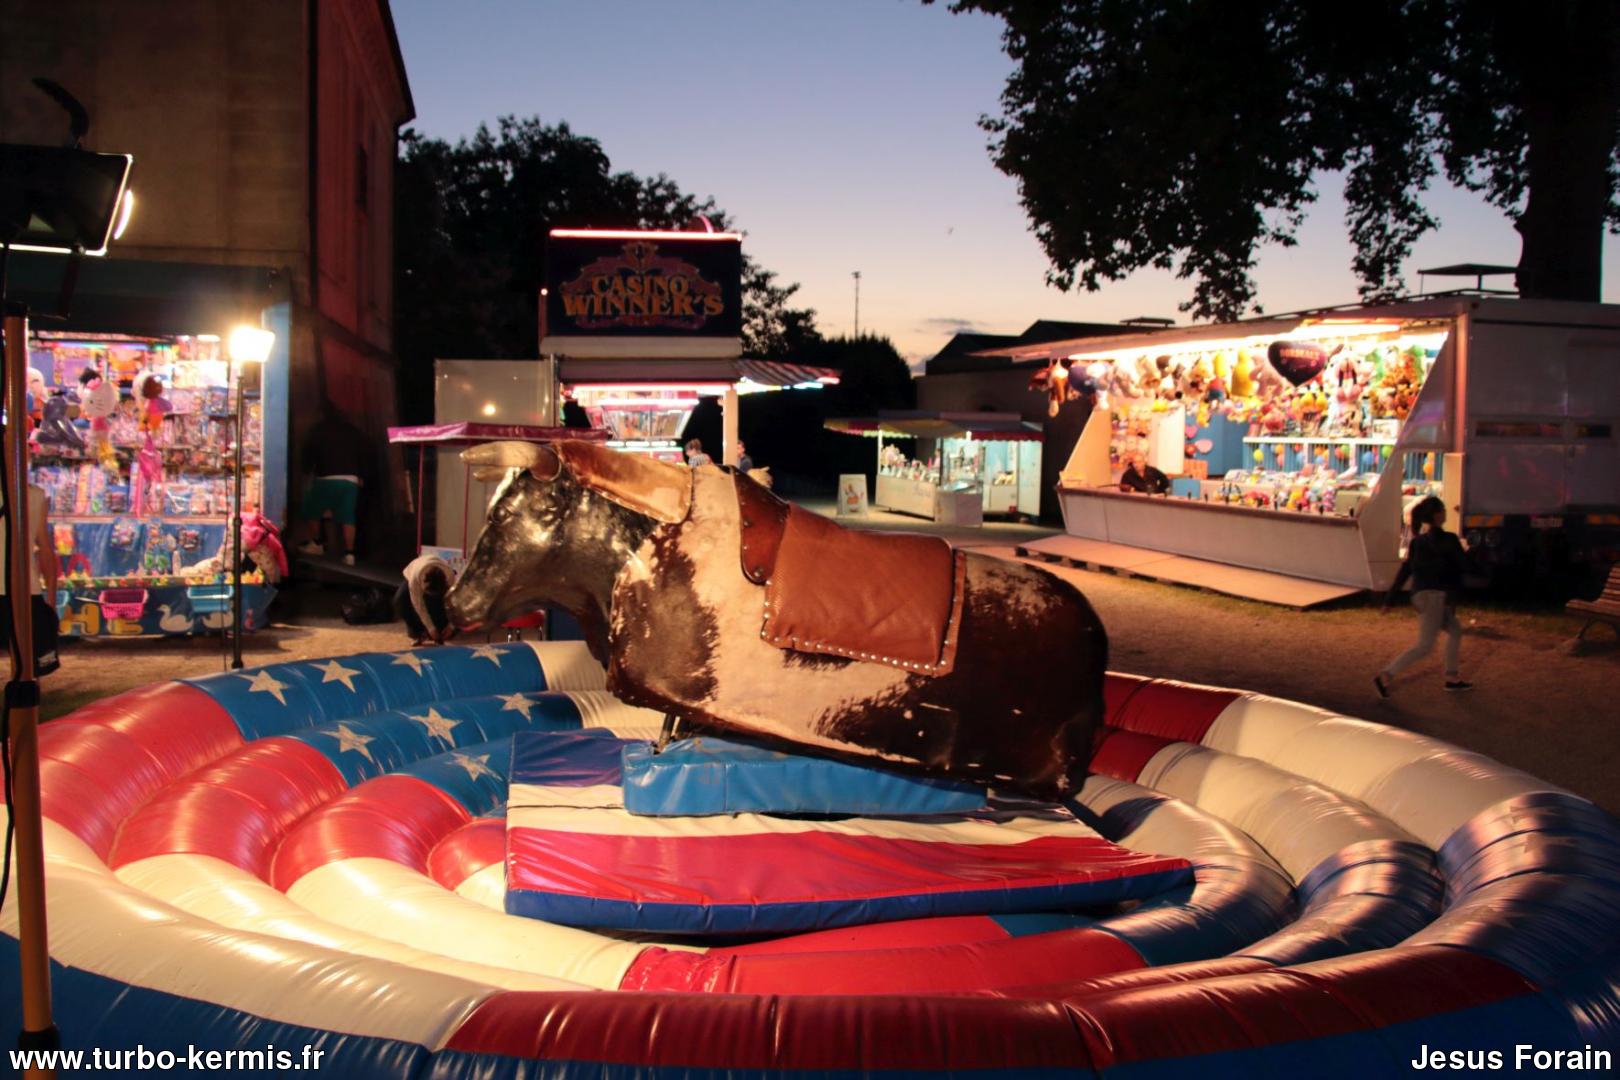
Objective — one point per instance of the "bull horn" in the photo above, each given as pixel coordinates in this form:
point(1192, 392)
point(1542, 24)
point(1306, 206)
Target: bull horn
point(513, 455)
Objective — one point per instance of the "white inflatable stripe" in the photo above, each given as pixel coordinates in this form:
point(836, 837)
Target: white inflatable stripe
point(600, 709)
point(1426, 786)
point(101, 925)
point(486, 887)
point(1298, 822)
point(1165, 834)
point(228, 896)
point(397, 903)
point(569, 665)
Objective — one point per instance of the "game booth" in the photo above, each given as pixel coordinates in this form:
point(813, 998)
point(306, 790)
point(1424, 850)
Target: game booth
point(968, 465)
point(134, 429)
point(1292, 445)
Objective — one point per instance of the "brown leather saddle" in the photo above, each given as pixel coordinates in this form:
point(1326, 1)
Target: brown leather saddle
point(886, 598)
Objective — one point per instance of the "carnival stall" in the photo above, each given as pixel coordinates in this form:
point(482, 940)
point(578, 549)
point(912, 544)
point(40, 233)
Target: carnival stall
point(133, 443)
point(968, 465)
point(1295, 443)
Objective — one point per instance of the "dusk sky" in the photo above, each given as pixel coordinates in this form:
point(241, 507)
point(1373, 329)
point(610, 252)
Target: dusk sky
point(842, 135)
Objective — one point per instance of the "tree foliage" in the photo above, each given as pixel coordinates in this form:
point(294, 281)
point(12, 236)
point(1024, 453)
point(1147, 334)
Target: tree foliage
point(1185, 133)
point(471, 224)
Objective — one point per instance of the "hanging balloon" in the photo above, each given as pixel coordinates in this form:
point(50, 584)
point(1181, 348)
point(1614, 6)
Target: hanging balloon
point(1298, 361)
point(1259, 456)
point(1281, 451)
point(1386, 453)
point(1428, 467)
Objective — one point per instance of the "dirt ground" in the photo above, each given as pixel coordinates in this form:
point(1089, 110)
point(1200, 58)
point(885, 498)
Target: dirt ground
point(1537, 706)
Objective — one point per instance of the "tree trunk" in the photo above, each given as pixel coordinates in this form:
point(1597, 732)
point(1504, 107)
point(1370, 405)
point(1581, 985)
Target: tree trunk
point(1567, 57)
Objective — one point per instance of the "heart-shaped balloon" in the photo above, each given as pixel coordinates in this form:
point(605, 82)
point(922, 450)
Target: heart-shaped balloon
point(1204, 446)
point(1297, 361)
point(1192, 430)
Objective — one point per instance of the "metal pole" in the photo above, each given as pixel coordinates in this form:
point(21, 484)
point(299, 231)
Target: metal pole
point(857, 276)
point(421, 512)
point(33, 941)
point(235, 575)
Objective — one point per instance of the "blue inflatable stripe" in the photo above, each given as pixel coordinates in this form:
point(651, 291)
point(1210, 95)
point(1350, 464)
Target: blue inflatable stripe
point(418, 676)
point(279, 699)
point(111, 1015)
point(366, 746)
point(587, 911)
point(707, 775)
point(475, 776)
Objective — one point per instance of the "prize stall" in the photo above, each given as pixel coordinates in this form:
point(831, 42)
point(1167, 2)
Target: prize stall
point(133, 443)
point(965, 465)
point(1292, 445)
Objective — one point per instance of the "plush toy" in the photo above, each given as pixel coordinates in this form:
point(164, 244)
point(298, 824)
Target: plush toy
point(1195, 383)
point(1123, 381)
point(152, 404)
point(55, 428)
point(1101, 373)
point(1268, 383)
point(1243, 376)
point(1312, 406)
point(98, 400)
point(36, 398)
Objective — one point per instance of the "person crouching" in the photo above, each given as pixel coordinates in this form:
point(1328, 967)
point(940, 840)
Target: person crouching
point(419, 601)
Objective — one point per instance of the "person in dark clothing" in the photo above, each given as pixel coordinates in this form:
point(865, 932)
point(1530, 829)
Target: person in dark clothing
point(340, 460)
point(1144, 478)
point(1435, 563)
point(419, 601)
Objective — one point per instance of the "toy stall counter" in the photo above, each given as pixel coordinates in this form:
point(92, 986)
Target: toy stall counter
point(174, 607)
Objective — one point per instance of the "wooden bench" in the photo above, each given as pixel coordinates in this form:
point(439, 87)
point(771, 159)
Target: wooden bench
point(1605, 609)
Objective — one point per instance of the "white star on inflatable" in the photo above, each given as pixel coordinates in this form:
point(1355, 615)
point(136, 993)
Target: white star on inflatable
point(334, 671)
point(349, 739)
point(265, 683)
point(410, 660)
point(438, 726)
point(488, 652)
point(516, 703)
point(475, 766)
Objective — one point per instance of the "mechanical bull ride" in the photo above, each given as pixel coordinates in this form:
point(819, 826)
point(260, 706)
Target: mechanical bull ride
point(711, 599)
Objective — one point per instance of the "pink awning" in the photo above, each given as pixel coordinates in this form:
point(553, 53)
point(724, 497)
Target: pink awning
point(468, 432)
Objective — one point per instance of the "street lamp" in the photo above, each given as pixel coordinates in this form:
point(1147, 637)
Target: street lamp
point(246, 345)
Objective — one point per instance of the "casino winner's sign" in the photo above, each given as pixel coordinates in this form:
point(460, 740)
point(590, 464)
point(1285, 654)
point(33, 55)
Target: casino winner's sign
point(623, 284)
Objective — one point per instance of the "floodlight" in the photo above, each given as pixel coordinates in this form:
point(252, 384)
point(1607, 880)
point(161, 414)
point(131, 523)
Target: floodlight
point(59, 199)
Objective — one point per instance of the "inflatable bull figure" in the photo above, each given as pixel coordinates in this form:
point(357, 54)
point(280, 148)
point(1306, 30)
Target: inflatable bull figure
point(710, 599)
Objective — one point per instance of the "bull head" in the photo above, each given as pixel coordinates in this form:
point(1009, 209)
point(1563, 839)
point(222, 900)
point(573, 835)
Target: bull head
point(566, 518)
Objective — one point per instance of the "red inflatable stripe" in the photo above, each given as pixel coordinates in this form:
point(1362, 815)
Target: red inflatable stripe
point(972, 967)
point(1172, 710)
point(479, 843)
point(1123, 754)
point(903, 934)
point(236, 809)
point(1312, 1001)
point(398, 818)
point(1117, 690)
point(739, 1032)
point(1071, 991)
point(102, 763)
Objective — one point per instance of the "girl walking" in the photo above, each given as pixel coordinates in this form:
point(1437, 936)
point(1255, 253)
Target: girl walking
point(1435, 561)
